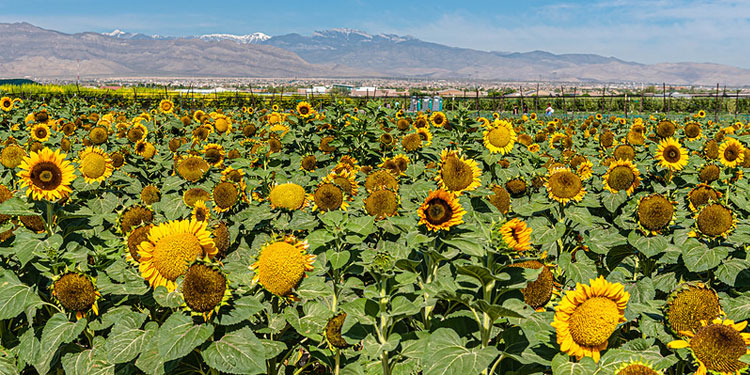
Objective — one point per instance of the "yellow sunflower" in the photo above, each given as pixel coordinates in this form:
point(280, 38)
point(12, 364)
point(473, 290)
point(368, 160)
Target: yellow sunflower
point(584, 170)
point(205, 290)
point(701, 113)
point(76, 292)
point(6, 104)
point(637, 368)
point(305, 110)
point(731, 153)
point(213, 154)
point(282, 265)
point(438, 119)
point(289, 196)
point(425, 135)
point(457, 174)
point(200, 211)
point(688, 305)
point(717, 346)
point(671, 154)
point(622, 175)
point(516, 234)
point(166, 106)
point(564, 185)
point(40, 132)
point(586, 317)
point(47, 174)
point(440, 211)
point(500, 137)
point(714, 220)
point(94, 164)
point(171, 247)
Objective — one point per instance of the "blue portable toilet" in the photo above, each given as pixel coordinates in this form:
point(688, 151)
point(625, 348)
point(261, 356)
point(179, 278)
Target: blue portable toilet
point(427, 103)
point(437, 103)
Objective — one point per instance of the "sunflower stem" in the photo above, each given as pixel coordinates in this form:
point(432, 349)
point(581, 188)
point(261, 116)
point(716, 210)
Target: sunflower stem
point(337, 360)
point(49, 217)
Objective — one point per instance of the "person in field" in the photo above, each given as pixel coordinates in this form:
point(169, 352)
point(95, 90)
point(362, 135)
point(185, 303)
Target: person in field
point(549, 111)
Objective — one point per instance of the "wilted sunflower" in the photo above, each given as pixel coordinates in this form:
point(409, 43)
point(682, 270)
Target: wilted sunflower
point(717, 346)
point(221, 238)
point(166, 106)
point(205, 289)
point(438, 119)
point(325, 144)
point(305, 110)
point(586, 317)
point(693, 131)
point(440, 211)
point(193, 195)
point(537, 293)
point(381, 179)
point(133, 239)
point(98, 135)
point(6, 104)
point(731, 153)
point(500, 199)
point(134, 216)
point(624, 152)
point(329, 197)
point(412, 142)
point(500, 138)
point(655, 213)
point(171, 247)
point(225, 196)
point(282, 265)
point(288, 196)
point(711, 149)
point(665, 129)
point(308, 163)
point(622, 175)
point(688, 305)
point(700, 195)
point(382, 203)
point(150, 195)
point(192, 168)
point(346, 181)
point(47, 174)
point(457, 174)
point(213, 154)
point(94, 164)
point(637, 368)
point(564, 185)
point(12, 156)
point(516, 234)
point(76, 292)
point(332, 332)
point(671, 154)
point(714, 220)
point(709, 173)
point(201, 133)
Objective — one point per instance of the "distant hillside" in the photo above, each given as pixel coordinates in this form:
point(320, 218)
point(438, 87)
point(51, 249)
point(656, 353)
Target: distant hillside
point(342, 53)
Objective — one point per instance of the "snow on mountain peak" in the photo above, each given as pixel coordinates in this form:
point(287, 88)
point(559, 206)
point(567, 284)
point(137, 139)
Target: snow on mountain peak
point(243, 39)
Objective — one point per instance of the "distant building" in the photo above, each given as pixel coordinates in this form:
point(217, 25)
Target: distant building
point(313, 90)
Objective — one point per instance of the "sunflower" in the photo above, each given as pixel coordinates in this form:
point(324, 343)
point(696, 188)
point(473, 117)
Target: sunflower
point(150, 194)
point(714, 220)
point(332, 332)
point(500, 199)
point(166, 106)
point(190, 196)
point(205, 289)
point(564, 185)
point(329, 197)
point(688, 305)
point(710, 173)
point(500, 137)
point(201, 133)
point(655, 213)
point(305, 110)
point(98, 135)
point(717, 346)
point(12, 156)
point(6, 104)
point(516, 187)
point(665, 129)
point(622, 175)
point(192, 168)
point(288, 196)
point(325, 144)
point(76, 292)
point(586, 317)
point(671, 154)
point(221, 238)
point(624, 152)
point(94, 164)
point(693, 131)
point(132, 240)
point(213, 154)
point(701, 113)
point(223, 124)
point(47, 174)
point(225, 196)
point(438, 119)
point(170, 249)
point(440, 211)
point(711, 149)
point(381, 179)
point(584, 170)
point(731, 153)
point(346, 181)
point(700, 195)
point(382, 203)
point(134, 216)
point(516, 234)
point(40, 132)
point(281, 266)
point(136, 133)
point(412, 142)
point(200, 211)
point(537, 293)
point(637, 368)
point(457, 174)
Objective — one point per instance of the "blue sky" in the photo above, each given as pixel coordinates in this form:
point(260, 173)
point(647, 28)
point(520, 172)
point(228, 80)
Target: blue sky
point(639, 30)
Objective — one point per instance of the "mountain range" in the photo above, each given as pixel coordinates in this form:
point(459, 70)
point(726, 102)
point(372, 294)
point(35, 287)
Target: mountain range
point(337, 53)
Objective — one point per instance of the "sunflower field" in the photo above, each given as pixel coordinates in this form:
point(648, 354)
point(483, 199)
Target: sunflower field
point(367, 240)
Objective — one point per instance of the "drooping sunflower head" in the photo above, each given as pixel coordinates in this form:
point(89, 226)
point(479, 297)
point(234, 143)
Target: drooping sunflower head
point(714, 220)
point(717, 346)
point(221, 238)
point(332, 332)
point(134, 238)
point(171, 247)
point(516, 234)
point(193, 195)
point(288, 196)
point(94, 164)
point(564, 185)
point(637, 368)
point(709, 173)
point(500, 138)
point(688, 305)
point(213, 154)
point(192, 168)
point(440, 211)
point(412, 142)
point(624, 152)
point(586, 317)
point(516, 187)
point(205, 289)
point(308, 163)
point(329, 197)
point(693, 131)
point(12, 156)
point(76, 292)
point(700, 195)
point(665, 129)
point(537, 293)
point(607, 139)
point(457, 173)
point(282, 265)
point(382, 203)
point(346, 181)
point(655, 213)
point(711, 149)
point(500, 199)
point(671, 154)
point(225, 196)
point(622, 175)
point(134, 216)
point(98, 135)
point(201, 212)
point(150, 195)
point(381, 179)
point(731, 153)
point(47, 174)
point(403, 124)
